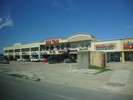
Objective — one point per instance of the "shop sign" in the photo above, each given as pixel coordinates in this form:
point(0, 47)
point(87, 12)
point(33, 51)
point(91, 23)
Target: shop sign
point(127, 45)
point(109, 46)
point(73, 51)
point(53, 41)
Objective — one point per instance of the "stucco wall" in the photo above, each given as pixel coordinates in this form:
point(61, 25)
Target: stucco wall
point(30, 45)
point(83, 60)
point(97, 59)
point(79, 37)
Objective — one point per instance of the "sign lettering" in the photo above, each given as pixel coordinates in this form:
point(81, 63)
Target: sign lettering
point(109, 46)
point(52, 41)
point(128, 45)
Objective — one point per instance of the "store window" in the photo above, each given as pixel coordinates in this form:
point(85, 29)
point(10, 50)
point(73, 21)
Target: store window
point(58, 47)
point(25, 49)
point(74, 46)
point(34, 49)
point(62, 46)
point(85, 45)
point(114, 57)
point(51, 47)
point(47, 47)
point(6, 51)
point(42, 48)
point(17, 50)
point(10, 51)
point(128, 56)
point(68, 46)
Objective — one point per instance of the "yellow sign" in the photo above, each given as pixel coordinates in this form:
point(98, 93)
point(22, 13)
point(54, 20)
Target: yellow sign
point(127, 44)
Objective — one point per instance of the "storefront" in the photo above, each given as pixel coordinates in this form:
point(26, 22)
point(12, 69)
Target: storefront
point(25, 55)
point(112, 49)
point(127, 49)
point(17, 55)
point(79, 42)
point(113, 56)
point(44, 54)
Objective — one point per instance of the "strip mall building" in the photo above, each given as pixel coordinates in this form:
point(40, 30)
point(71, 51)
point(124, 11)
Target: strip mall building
point(119, 50)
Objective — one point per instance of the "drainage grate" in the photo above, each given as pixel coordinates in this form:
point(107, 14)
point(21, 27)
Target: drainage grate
point(115, 84)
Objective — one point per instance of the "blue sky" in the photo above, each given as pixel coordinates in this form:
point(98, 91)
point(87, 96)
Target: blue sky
point(28, 21)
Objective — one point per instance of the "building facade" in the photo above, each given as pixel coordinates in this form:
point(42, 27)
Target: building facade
point(127, 49)
point(54, 46)
point(119, 50)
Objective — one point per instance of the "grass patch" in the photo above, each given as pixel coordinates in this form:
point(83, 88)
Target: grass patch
point(34, 78)
point(101, 69)
point(38, 79)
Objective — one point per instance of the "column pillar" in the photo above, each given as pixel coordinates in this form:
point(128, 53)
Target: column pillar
point(20, 53)
point(39, 52)
point(14, 53)
point(30, 53)
point(8, 54)
point(123, 56)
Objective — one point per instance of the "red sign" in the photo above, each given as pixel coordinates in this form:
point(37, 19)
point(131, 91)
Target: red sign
point(128, 45)
point(52, 41)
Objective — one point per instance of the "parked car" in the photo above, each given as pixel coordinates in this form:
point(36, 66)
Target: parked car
point(45, 60)
point(4, 61)
point(55, 59)
point(70, 60)
point(41, 59)
point(34, 59)
point(22, 59)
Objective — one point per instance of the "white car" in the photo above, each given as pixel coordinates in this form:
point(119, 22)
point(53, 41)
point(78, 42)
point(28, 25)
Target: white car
point(21, 59)
point(34, 59)
point(41, 59)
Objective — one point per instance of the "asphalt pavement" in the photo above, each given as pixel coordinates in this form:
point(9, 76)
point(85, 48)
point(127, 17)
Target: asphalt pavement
point(12, 88)
point(118, 79)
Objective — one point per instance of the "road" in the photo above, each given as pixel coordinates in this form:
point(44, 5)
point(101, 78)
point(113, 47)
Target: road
point(20, 89)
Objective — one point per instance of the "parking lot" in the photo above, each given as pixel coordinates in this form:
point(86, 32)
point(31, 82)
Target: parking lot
point(67, 74)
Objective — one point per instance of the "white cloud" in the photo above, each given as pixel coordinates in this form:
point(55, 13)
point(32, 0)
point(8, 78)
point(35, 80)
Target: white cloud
point(6, 21)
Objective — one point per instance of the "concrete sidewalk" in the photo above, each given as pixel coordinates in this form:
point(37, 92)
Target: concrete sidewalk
point(118, 79)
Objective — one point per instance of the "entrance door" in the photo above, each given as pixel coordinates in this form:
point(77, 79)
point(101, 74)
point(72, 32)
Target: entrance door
point(113, 57)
